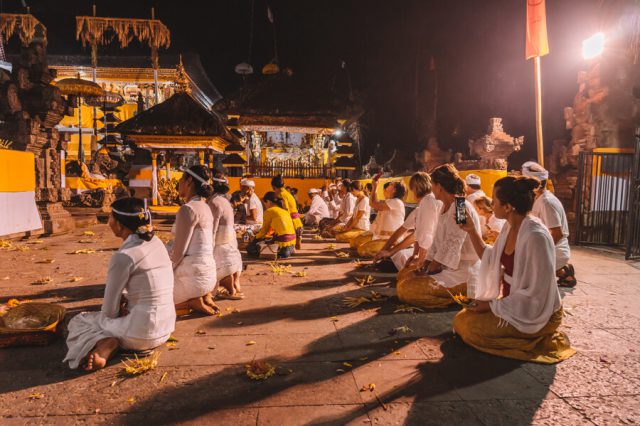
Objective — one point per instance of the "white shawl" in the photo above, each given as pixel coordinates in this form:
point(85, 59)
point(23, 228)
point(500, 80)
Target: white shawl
point(534, 294)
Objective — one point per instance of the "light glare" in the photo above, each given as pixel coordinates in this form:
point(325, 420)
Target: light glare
point(593, 46)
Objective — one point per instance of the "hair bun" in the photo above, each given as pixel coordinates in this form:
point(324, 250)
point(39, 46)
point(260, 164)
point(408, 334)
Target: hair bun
point(527, 183)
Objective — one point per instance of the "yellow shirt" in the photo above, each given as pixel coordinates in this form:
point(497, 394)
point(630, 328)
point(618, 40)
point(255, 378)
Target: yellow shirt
point(279, 221)
point(291, 205)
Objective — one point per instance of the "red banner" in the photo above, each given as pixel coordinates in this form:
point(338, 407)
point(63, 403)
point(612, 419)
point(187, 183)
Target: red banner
point(537, 42)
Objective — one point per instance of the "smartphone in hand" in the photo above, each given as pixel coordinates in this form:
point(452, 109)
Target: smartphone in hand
point(461, 212)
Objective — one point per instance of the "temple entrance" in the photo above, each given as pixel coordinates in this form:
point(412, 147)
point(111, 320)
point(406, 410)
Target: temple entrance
point(604, 197)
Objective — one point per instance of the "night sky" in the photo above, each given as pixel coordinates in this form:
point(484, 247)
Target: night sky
point(478, 48)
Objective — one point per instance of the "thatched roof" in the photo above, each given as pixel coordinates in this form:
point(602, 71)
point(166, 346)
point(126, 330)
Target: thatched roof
point(282, 100)
point(180, 115)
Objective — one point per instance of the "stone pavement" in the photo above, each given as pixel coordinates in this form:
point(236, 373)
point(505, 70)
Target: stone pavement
point(327, 354)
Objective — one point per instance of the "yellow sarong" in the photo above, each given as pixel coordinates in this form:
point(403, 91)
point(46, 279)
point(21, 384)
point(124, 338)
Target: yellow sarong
point(424, 291)
point(347, 236)
point(360, 239)
point(481, 330)
point(370, 248)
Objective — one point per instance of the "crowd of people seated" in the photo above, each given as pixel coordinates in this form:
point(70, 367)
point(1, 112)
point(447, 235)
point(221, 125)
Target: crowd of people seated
point(506, 254)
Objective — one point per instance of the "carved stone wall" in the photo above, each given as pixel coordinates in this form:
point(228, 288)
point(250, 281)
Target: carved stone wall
point(30, 107)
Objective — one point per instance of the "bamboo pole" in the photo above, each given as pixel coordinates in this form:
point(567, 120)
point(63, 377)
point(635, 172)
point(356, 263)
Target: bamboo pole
point(538, 94)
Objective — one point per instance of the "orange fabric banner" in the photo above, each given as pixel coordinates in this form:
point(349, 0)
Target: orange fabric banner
point(537, 41)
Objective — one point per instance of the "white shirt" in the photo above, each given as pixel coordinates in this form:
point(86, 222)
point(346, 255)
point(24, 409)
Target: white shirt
point(427, 220)
point(534, 294)
point(347, 208)
point(254, 203)
point(388, 221)
point(450, 243)
point(410, 222)
point(318, 208)
point(363, 206)
point(551, 213)
point(143, 270)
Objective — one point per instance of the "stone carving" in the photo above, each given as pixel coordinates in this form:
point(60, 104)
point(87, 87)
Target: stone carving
point(30, 107)
point(495, 147)
point(432, 156)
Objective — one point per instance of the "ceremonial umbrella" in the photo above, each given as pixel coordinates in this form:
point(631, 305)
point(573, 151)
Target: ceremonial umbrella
point(81, 89)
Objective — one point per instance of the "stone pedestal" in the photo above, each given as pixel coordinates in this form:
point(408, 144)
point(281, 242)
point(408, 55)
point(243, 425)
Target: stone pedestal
point(55, 219)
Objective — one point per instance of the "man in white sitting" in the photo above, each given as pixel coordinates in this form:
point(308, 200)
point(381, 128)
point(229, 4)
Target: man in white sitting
point(551, 213)
point(473, 190)
point(252, 203)
point(318, 210)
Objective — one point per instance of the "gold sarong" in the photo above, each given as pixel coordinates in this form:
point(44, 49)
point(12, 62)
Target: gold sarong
point(370, 248)
point(481, 330)
point(347, 236)
point(365, 237)
point(424, 291)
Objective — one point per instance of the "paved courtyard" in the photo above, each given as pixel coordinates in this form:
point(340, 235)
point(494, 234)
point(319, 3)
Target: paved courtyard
point(335, 364)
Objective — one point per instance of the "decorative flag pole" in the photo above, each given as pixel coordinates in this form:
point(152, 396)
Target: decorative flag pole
point(537, 45)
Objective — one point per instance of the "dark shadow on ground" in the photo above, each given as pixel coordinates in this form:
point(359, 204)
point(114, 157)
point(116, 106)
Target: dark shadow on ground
point(457, 370)
point(70, 294)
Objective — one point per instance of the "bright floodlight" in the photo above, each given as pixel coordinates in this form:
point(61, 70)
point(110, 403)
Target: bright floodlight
point(338, 132)
point(593, 46)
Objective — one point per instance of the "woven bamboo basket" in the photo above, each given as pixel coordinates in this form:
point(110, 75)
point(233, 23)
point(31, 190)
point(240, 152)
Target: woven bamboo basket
point(31, 324)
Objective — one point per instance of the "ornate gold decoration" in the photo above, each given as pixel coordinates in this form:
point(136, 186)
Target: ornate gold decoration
point(24, 25)
point(94, 30)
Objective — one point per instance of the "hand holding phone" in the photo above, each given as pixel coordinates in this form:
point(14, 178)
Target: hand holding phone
point(461, 211)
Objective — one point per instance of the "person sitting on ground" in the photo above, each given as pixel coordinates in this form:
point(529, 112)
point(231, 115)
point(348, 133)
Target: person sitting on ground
point(347, 205)
point(253, 206)
point(550, 211)
point(359, 222)
point(225, 250)
point(318, 209)
point(191, 251)
point(427, 215)
point(290, 204)
point(407, 250)
point(277, 228)
point(518, 308)
point(333, 198)
point(473, 190)
point(141, 268)
point(452, 264)
point(389, 218)
point(294, 194)
point(237, 203)
point(489, 224)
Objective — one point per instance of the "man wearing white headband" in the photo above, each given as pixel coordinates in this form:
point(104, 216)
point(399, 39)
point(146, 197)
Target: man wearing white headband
point(252, 203)
point(551, 213)
point(318, 210)
point(474, 190)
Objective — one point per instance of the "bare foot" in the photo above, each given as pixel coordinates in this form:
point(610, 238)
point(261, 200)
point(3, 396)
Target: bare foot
point(208, 300)
point(199, 305)
point(101, 353)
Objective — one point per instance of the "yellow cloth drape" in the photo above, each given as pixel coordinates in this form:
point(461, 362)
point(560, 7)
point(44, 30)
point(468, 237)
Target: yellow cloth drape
point(347, 236)
point(370, 248)
point(365, 237)
point(482, 331)
point(91, 183)
point(422, 290)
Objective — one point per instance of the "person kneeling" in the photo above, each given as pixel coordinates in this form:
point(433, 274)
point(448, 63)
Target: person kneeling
point(518, 309)
point(194, 267)
point(359, 222)
point(452, 264)
point(277, 228)
point(141, 267)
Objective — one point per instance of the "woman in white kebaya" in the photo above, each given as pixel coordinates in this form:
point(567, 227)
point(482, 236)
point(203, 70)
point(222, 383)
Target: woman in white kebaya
point(140, 270)
point(390, 217)
point(518, 308)
point(191, 251)
point(225, 251)
point(452, 264)
point(359, 222)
